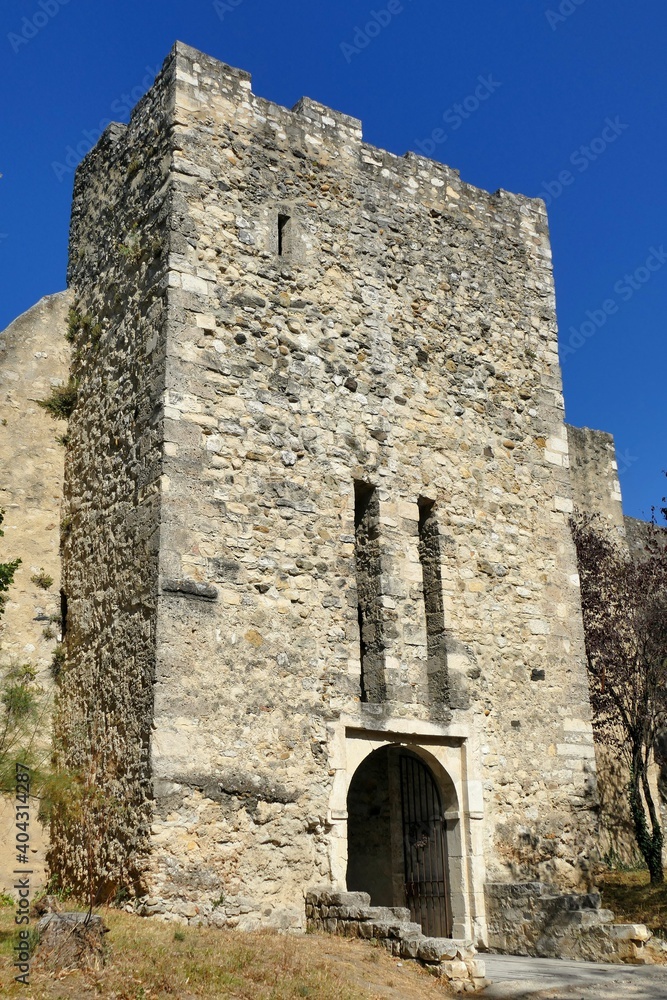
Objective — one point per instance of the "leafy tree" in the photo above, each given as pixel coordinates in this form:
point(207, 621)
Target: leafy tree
point(23, 714)
point(7, 571)
point(85, 814)
point(22, 707)
point(624, 601)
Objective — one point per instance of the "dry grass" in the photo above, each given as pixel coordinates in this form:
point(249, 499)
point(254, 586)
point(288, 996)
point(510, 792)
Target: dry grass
point(634, 900)
point(150, 960)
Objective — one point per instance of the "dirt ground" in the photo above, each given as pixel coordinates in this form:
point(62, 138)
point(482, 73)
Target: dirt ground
point(151, 960)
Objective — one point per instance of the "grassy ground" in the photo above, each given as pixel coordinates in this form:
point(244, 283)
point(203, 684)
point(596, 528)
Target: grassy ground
point(150, 960)
point(634, 900)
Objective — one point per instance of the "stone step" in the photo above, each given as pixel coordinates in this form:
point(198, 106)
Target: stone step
point(588, 918)
point(574, 901)
point(350, 915)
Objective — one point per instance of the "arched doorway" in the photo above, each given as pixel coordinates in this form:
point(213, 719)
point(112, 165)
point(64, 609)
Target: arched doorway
point(397, 837)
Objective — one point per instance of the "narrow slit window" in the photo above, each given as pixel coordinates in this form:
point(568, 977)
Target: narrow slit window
point(63, 614)
point(371, 630)
point(283, 234)
point(430, 558)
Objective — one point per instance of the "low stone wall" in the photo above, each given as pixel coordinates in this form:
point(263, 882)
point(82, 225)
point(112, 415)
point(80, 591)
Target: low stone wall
point(350, 914)
point(531, 918)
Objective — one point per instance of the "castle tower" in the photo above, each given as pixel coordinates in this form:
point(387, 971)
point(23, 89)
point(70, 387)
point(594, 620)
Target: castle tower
point(322, 602)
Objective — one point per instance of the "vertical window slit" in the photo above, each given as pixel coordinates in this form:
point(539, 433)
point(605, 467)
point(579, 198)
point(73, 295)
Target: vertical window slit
point(63, 614)
point(430, 558)
point(367, 555)
point(283, 232)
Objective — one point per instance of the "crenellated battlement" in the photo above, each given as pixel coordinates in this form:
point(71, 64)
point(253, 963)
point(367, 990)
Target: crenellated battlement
point(200, 77)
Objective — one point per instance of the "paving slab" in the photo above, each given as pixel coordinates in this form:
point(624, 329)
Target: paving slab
point(517, 978)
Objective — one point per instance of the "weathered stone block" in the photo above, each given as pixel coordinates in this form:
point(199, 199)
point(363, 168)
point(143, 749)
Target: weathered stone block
point(410, 946)
point(455, 970)
point(631, 932)
point(437, 949)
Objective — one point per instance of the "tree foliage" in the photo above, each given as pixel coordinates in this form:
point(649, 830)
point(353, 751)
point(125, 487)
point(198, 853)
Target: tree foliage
point(23, 719)
point(7, 571)
point(72, 798)
point(23, 708)
point(624, 601)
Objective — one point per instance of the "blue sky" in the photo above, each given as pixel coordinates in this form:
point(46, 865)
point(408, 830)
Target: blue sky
point(563, 98)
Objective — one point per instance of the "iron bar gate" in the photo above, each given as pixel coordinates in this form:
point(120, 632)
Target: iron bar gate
point(424, 849)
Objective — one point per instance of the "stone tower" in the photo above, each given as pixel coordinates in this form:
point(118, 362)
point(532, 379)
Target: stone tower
point(322, 600)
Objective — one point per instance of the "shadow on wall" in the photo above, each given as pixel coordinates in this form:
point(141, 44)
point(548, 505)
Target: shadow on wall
point(37, 853)
point(617, 839)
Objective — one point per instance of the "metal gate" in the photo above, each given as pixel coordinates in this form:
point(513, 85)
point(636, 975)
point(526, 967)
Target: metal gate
point(424, 849)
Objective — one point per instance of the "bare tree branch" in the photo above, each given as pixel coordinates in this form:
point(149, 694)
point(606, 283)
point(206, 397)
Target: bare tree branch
point(624, 602)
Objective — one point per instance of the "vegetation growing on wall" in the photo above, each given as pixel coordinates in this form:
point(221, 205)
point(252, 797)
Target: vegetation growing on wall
point(7, 571)
point(22, 705)
point(85, 813)
point(82, 324)
point(42, 580)
point(62, 400)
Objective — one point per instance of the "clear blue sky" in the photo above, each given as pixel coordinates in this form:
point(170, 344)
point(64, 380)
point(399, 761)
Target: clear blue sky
point(576, 88)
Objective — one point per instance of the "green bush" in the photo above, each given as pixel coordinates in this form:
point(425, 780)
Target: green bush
point(42, 580)
point(58, 660)
point(22, 712)
point(62, 400)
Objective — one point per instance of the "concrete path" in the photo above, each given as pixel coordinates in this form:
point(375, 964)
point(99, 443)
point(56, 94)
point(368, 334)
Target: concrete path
point(551, 979)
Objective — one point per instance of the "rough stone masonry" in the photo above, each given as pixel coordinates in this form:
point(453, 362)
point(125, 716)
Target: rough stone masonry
point(320, 586)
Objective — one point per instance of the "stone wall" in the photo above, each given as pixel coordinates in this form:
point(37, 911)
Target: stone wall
point(534, 919)
point(119, 246)
point(405, 338)
point(597, 491)
point(239, 373)
point(595, 484)
point(34, 358)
